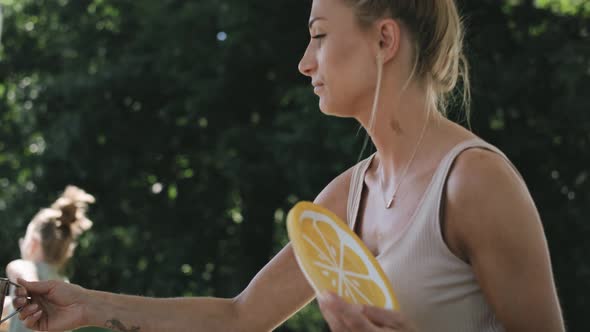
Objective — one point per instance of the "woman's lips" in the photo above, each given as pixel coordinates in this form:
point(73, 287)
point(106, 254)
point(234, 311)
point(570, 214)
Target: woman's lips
point(317, 88)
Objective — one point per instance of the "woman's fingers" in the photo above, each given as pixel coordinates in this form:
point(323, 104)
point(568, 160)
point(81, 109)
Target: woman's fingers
point(342, 316)
point(21, 291)
point(18, 302)
point(331, 316)
point(28, 310)
point(21, 297)
point(32, 320)
point(383, 317)
point(351, 315)
point(357, 322)
point(37, 287)
point(335, 323)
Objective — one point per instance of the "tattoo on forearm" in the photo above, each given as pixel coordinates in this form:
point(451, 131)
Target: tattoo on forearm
point(116, 325)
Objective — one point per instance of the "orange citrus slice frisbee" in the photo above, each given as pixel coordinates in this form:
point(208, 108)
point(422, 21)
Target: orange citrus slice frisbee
point(335, 259)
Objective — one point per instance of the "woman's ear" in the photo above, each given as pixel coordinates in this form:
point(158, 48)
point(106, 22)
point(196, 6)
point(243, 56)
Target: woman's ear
point(389, 38)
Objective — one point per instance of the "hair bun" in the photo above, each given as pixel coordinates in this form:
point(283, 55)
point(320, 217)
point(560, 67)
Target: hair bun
point(73, 204)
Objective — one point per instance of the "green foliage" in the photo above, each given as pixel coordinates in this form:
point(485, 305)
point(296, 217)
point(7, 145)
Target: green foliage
point(190, 124)
point(568, 7)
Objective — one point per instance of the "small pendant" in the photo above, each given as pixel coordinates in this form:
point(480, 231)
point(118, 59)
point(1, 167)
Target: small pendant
point(389, 203)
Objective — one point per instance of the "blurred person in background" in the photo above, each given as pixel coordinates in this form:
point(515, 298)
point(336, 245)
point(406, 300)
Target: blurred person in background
point(50, 241)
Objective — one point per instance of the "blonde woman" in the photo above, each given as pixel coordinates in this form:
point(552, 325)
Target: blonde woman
point(50, 241)
point(447, 215)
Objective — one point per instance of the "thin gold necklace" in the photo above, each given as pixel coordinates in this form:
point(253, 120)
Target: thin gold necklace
point(389, 203)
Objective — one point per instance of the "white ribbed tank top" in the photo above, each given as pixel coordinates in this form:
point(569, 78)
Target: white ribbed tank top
point(435, 289)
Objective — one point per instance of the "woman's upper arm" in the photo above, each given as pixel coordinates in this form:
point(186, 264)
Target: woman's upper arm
point(21, 269)
point(280, 288)
point(493, 217)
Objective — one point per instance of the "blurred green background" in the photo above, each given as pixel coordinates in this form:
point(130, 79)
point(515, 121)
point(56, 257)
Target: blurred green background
point(189, 122)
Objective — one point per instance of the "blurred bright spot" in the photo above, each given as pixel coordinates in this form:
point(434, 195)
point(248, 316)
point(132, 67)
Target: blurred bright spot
point(172, 192)
point(30, 186)
point(188, 173)
point(37, 146)
point(142, 264)
point(279, 216)
point(255, 118)
point(25, 82)
point(581, 178)
point(157, 188)
point(236, 216)
point(186, 269)
point(292, 199)
point(11, 95)
point(221, 36)
point(29, 26)
point(84, 242)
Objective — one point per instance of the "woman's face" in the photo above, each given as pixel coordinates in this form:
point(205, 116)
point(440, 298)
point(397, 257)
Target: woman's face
point(340, 60)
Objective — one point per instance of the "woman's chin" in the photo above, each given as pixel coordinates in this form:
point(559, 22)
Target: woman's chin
point(332, 110)
point(322, 107)
point(325, 107)
point(325, 110)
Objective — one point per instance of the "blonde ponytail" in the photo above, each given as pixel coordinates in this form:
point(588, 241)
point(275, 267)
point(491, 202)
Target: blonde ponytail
point(61, 224)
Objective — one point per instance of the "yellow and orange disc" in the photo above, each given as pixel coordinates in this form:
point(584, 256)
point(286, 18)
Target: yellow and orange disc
point(335, 259)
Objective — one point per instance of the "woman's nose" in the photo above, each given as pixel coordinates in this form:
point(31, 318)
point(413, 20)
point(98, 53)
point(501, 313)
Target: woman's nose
point(307, 65)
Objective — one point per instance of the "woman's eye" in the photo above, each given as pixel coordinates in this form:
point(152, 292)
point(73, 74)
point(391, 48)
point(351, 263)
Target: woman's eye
point(318, 36)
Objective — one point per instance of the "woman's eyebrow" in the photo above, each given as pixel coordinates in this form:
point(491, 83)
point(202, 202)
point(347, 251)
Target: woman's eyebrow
point(313, 19)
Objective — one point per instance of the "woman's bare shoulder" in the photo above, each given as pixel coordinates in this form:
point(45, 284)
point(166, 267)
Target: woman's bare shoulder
point(485, 198)
point(482, 172)
point(21, 268)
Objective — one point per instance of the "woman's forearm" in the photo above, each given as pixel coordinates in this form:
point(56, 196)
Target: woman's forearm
point(142, 314)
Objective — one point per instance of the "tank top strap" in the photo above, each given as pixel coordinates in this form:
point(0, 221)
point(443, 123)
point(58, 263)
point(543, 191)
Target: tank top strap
point(357, 181)
point(442, 173)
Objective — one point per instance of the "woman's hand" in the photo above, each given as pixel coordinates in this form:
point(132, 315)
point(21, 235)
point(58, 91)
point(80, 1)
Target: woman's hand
point(345, 317)
point(55, 305)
